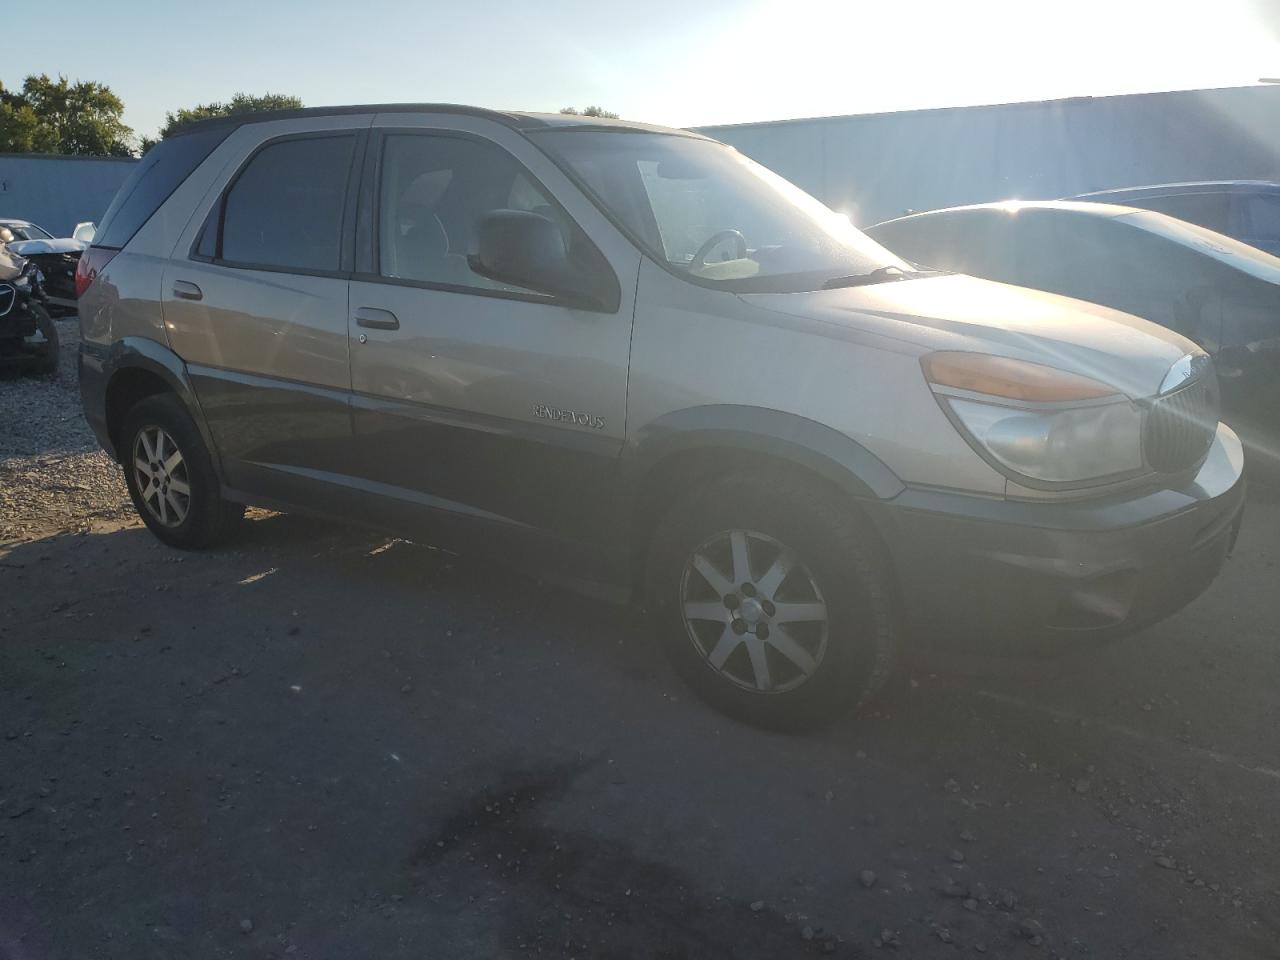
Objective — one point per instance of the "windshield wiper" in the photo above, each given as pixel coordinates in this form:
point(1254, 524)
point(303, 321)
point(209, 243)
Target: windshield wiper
point(889, 272)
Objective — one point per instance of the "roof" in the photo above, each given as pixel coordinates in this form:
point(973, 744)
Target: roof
point(515, 119)
point(1107, 210)
point(1194, 186)
point(66, 156)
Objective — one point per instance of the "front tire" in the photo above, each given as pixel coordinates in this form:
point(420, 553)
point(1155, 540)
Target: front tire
point(774, 600)
point(170, 476)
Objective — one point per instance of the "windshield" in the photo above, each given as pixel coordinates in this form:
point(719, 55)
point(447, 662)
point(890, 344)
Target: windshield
point(714, 216)
point(1220, 247)
point(28, 231)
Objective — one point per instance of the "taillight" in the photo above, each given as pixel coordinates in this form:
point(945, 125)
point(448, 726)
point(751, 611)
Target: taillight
point(92, 262)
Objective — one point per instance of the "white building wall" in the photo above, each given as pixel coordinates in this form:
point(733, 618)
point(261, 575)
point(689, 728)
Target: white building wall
point(877, 166)
point(58, 192)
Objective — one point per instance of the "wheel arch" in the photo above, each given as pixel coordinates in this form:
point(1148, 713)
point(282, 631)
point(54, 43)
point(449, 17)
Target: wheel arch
point(697, 445)
point(135, 368)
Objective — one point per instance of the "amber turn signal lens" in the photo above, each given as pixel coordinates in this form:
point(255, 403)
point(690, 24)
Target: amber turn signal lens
point(1009, 378)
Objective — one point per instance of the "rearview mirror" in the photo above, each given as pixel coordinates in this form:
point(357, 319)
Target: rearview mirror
point(678, 168)
point(528, 250)
point(85, 232)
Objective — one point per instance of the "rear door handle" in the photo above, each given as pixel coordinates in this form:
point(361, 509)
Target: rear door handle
point(376, 319)
point(186, 290)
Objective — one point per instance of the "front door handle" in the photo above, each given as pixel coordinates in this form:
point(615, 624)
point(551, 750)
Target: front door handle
point(186, 290)
point(376, 319)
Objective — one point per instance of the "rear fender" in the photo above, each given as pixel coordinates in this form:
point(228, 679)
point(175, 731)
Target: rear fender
point(101, 365)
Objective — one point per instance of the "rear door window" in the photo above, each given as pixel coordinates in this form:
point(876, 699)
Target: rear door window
point(1064, 253)
point(1110, 261)
point(285, 210)
point(985, 245)
point(1264, 218)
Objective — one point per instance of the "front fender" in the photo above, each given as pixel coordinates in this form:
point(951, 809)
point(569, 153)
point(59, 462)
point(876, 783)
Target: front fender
point(801, 441)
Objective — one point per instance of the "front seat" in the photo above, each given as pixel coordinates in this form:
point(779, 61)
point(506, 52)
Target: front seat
point(425, 253)
point(419, 252)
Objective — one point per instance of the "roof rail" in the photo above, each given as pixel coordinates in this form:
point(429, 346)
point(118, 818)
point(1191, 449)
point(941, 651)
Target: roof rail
point(262, 116)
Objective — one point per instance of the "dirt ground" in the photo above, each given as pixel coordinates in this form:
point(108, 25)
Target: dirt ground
point(321, 743)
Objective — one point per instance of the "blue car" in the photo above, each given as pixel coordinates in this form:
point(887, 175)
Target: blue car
point(1248, 210)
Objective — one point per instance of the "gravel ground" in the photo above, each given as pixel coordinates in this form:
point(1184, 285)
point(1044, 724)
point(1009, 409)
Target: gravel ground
point(53, 474)
point(320, 743)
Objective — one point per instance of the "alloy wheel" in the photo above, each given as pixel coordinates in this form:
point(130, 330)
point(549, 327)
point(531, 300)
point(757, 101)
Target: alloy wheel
point(160, 473)
point(754, 611)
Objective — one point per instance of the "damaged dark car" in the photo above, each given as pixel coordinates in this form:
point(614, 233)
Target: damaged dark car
point(28, 334)
point(55, 257)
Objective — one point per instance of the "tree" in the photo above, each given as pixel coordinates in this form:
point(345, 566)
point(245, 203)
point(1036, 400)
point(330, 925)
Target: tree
point(58, 116)
point(19, 131)
point(240, 103)
point(590, 112)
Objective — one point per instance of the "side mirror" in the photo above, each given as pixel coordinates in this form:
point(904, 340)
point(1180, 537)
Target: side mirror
point(85, 232)
point(528, 250)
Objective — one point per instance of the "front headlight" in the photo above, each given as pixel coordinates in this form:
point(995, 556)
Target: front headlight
point(1037, 423)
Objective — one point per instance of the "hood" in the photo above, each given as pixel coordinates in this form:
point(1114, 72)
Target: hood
point(964, 313)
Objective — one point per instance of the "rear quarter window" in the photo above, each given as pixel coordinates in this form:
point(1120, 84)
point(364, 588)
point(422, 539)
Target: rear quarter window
point(153, 181)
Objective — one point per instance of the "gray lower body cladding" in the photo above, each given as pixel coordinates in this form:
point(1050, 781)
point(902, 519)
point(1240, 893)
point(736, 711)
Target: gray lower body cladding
point(1001, 574)
point(1009, 577)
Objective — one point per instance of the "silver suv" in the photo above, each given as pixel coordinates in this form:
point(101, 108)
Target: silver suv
point(631, 359)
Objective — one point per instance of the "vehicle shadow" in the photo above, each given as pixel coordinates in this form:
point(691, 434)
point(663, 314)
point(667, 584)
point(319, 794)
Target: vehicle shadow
point(280, 562)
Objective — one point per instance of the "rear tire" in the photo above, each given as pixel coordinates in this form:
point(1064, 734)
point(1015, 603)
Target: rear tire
point(170, 476)
point(774, 600)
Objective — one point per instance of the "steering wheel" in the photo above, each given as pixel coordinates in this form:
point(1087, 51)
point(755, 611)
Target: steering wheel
point(700, 258)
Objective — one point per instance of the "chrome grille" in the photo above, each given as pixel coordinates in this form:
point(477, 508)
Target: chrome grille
point(7, 293)
point(1181, 424)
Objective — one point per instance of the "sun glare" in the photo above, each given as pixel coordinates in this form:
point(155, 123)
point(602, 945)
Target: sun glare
point(826, 57)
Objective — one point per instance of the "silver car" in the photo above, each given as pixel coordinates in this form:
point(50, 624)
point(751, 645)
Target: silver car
point(630, 359)
point(1222, 294)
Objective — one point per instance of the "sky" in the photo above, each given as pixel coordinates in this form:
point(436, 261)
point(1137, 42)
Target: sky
point(676, 62)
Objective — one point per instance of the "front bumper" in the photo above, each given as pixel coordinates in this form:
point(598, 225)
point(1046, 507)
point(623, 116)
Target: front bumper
point(1015, 575)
